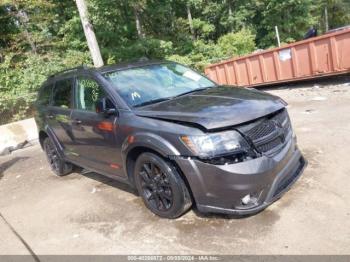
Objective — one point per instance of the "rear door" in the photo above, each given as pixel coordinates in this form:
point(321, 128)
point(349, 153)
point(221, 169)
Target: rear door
point(95, 135)
point(59, 113)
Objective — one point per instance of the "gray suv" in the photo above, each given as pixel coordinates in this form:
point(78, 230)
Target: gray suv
point(174, 135)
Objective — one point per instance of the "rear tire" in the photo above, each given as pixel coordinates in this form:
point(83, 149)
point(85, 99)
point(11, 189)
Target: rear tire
point(161, 187)
point(58, 165)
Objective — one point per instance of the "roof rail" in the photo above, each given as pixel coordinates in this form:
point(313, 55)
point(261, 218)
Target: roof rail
point(69, 69)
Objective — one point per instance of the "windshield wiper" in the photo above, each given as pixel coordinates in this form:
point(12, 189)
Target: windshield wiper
point(195, 90)
point(153, 101)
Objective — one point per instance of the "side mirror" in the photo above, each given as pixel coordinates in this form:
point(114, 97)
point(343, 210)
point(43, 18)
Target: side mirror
point(105, 106)
point(110, 112)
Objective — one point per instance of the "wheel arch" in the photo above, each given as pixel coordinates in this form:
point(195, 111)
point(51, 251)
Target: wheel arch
point(140, 142)
point(47, 132)
point(42, 136)
point(133, 152)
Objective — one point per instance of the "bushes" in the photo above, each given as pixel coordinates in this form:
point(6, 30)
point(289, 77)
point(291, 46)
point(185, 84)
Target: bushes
point(21, 77)
point(197, 54)
point(203, 53)
point(240, 43)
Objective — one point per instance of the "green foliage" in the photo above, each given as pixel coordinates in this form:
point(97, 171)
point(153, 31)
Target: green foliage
point(203, 29)
point(40, 37)
point(180, 59)
point(20, 80)
point(204, 53)
point(338, 13)
point(293, 18)
point(240, 43)
point(146, 47)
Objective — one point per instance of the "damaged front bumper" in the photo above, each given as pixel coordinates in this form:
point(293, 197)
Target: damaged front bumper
point(227, 188)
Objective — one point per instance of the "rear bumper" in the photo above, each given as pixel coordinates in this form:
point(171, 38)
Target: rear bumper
point(220, 188)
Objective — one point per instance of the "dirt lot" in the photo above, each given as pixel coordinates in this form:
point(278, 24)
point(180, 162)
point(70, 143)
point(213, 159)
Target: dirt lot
point(89, 214)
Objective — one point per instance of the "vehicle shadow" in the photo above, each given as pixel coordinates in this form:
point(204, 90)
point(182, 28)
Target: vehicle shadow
point(6, 165)
point(106, 180)
point(127, 188)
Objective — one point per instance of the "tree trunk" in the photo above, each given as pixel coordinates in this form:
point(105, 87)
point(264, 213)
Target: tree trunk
point(326, 19)
point(190, 22)
point(173, 17)
point(29, 39)
point(23, 20)
point(138, 23)
point(89, 34)
point(230, 14)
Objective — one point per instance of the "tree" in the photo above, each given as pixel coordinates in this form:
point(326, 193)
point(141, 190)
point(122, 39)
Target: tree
point(235, 44)
point(23, 20)
point(90, 34)
point(190, 21)
point(195, 32)
point(332, 14)
point(230, 16)
point(138, 7)
point(293, 18)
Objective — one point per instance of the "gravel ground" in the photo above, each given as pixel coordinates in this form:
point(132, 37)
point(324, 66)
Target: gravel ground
point(90, 214)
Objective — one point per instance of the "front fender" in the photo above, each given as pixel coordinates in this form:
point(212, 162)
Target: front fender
point(151, 141)
point(146, 140)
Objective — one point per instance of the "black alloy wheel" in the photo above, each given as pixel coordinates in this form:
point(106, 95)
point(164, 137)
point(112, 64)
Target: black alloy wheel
point(156, 187)
point(57, 164)
point(161, 187)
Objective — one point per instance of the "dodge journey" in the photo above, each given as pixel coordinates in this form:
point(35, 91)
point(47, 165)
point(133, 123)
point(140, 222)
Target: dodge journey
point(178, 138)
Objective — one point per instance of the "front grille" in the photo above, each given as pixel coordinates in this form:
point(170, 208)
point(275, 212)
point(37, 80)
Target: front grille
point(266, 147)
point(269, 134)
point(261, 130)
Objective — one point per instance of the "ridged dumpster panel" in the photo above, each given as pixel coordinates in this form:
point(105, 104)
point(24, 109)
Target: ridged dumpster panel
point(325, 55)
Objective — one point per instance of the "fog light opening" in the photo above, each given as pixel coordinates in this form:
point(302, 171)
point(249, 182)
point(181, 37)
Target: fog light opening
point(248, 200)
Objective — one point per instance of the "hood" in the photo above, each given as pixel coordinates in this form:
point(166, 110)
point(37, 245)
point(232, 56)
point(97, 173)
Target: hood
point(214, 108)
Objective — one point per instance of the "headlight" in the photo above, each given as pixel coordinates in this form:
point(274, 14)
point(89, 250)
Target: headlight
point(216, 144)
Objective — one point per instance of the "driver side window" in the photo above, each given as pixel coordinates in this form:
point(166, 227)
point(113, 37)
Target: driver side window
point(88, 92)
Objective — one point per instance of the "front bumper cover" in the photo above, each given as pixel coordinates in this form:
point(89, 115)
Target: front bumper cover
point(220, 188)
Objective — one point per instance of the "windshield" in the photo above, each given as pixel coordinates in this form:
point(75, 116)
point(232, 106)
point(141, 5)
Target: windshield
point(155, 83)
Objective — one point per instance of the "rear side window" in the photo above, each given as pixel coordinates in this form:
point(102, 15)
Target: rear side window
point(45, 95)
point(62, 93)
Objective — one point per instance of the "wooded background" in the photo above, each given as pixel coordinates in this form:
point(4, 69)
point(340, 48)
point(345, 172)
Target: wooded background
point(40, 37)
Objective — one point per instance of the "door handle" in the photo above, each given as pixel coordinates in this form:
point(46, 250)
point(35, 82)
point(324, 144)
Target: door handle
point(51, 116)
point(77, 121)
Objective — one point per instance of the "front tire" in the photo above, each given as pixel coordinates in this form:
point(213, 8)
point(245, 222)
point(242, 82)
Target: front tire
point(58, 165)
point(161, 187)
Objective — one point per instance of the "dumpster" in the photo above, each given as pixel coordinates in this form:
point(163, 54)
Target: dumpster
point(325, 55)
